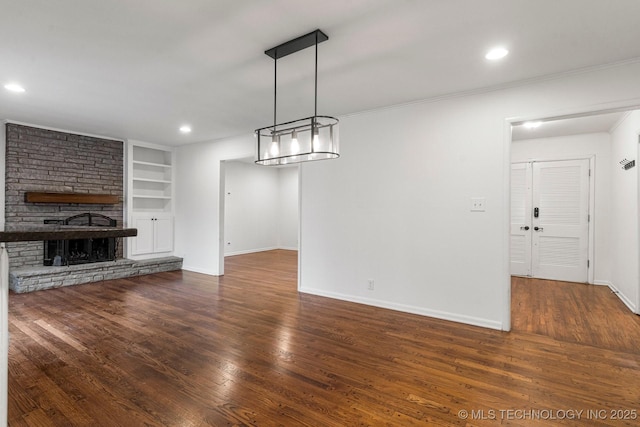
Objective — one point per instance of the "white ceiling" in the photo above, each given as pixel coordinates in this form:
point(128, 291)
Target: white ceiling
point(141, 68)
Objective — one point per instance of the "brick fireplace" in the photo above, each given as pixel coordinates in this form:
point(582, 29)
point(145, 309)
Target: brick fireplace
point(44, 160)
point(51, 161)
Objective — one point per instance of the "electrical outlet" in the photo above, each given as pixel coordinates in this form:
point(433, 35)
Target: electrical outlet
point(478, 204)
point(370, 284)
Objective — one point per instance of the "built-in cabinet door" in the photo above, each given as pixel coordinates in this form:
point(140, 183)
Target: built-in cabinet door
point(143, 242)
point(163, 238)
point(550, 220)
point(155, 233)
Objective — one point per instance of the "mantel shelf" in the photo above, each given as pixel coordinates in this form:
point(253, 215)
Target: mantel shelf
point(62, 232)
point(80, 198)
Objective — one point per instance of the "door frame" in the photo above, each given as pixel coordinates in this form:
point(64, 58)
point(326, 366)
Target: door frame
point(637, 311)
point(221, 214)
point(592, 206)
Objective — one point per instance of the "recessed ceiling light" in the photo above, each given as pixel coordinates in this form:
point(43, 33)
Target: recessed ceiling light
point(185, 129)
point(14, 87)
point(496, 53)
point(532, 125)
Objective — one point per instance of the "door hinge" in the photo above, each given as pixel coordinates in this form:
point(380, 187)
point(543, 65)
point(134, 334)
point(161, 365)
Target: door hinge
point(588, 263)
point(588, 217)
point(589, 172)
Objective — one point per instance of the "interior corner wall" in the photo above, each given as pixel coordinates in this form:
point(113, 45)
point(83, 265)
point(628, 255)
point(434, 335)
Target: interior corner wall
point(261, 208)
point(574, 147)
point(624, 211)
point(251, 208)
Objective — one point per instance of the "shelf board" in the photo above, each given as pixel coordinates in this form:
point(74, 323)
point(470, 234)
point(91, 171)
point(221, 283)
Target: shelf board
point(80, 198)
point(159, 181)
point(140, 196)
point(159, 165)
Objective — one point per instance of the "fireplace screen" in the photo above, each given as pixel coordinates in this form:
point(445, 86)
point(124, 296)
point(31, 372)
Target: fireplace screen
point(80, 251)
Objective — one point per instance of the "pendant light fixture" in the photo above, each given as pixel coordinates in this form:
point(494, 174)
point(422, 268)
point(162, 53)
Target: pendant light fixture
point(303, 140)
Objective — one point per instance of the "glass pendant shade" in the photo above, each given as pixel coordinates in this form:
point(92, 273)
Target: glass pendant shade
point(304, 140)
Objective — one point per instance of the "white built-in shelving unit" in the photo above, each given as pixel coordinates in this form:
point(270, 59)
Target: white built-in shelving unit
point(150, 199)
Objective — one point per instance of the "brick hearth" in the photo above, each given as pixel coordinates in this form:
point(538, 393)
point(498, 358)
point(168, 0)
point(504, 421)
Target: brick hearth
point(30, 279)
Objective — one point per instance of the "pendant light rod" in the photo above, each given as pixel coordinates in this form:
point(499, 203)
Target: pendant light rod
point(275, 92)
point(315, 94)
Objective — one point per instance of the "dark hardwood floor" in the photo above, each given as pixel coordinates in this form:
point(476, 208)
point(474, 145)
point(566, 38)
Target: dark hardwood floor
point(574, 312)
point(185, 349)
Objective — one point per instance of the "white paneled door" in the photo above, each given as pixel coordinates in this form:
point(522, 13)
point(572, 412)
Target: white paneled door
point(550, 219)
point(521, 219)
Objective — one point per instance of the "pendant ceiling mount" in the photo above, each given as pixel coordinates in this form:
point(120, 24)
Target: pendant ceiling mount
point(297, 44)
point(302, 140)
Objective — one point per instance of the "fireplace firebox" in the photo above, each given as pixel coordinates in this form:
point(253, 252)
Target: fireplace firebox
point(81, 251)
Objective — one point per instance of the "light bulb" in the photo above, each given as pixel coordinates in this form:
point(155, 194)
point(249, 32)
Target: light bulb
point(275, 146)
point(316, 139)
point(295, 145)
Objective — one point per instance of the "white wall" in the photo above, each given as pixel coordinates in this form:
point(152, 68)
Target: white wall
point(624, 211)
point(581, 146)
point(198, 183)
point(395, 206)
point(288, 208)
point(251, 208)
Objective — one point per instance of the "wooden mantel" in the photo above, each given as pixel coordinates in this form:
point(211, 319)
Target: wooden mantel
point(83, 198)
point(18, 233)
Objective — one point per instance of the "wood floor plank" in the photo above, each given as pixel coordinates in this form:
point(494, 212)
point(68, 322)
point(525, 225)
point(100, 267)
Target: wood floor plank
point(246, 349)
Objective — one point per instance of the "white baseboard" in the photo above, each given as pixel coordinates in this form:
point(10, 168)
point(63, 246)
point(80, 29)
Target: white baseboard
point(630, 304)
point(250, 251)
point(200, 270)
point(454, 317)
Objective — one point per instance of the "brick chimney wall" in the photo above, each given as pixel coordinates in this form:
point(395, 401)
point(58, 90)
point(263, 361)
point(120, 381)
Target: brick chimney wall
point(51, 161)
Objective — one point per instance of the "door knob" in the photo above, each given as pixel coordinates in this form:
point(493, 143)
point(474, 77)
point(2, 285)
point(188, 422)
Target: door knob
point(538, 228)
point(525, 228)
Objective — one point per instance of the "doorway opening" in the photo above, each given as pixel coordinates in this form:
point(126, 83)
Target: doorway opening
point(569, 180)
point(259, 209)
